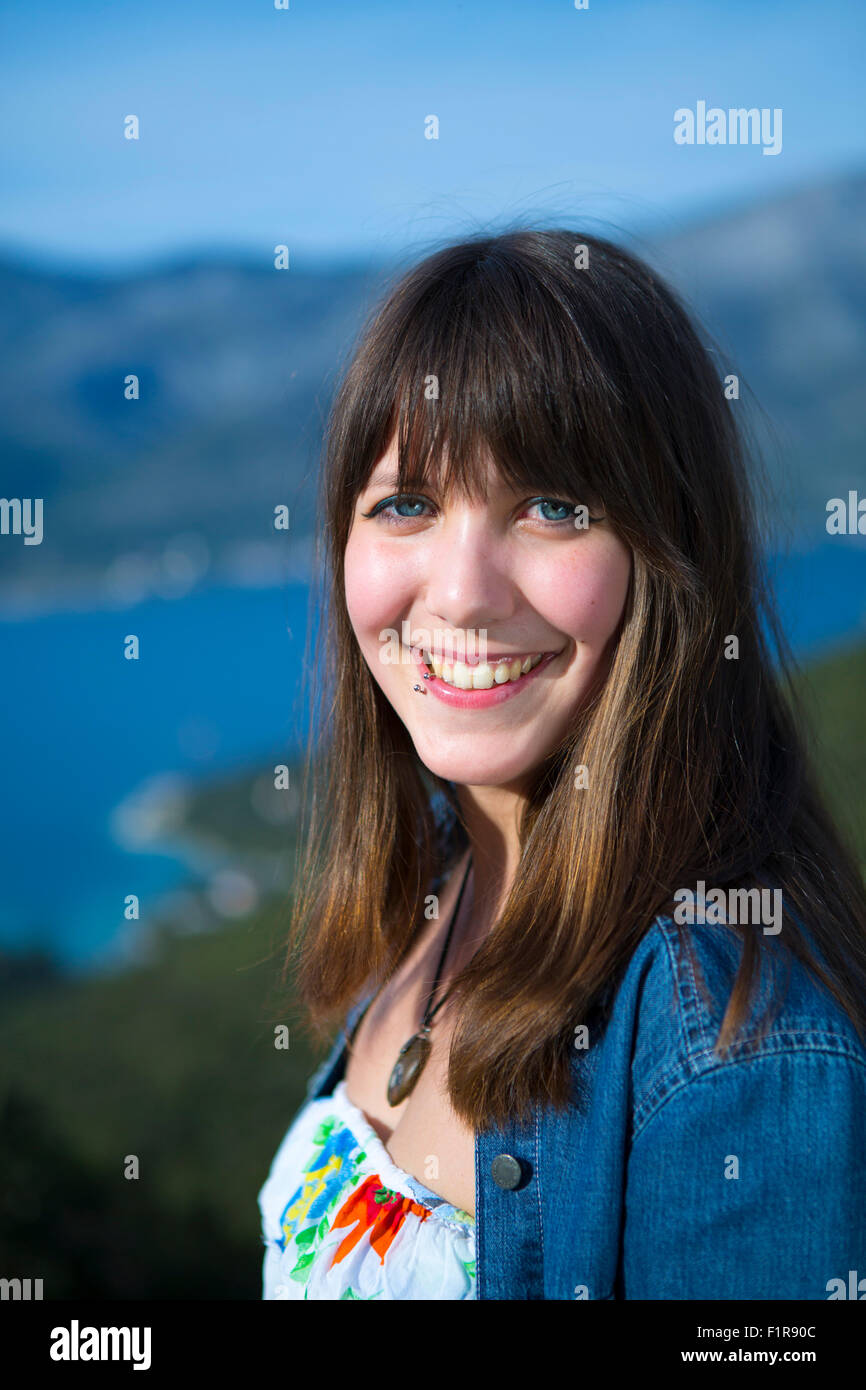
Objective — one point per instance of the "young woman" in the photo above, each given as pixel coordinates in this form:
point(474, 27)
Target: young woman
point(605, 951)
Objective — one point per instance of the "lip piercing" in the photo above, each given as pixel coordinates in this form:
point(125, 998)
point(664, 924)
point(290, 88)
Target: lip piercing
point(420, 689)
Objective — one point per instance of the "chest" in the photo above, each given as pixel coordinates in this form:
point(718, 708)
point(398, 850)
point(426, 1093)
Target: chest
point(422, 1134)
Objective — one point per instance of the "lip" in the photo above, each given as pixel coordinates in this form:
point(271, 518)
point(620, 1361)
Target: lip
point(479, 699)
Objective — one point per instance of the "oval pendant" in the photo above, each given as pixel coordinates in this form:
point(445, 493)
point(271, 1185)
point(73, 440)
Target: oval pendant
point(407, 1068)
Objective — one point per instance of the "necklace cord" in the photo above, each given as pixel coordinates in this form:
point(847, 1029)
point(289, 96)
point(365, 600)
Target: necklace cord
point(428, 1016)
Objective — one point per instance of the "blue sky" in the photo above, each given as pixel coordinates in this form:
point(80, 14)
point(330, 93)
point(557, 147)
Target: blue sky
point(306, 126)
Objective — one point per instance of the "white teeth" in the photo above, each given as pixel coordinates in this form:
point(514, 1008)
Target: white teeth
point(482, 676)
point(485, 675)
point(461, 676)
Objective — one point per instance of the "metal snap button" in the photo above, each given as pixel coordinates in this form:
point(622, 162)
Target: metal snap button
point(507, 1172)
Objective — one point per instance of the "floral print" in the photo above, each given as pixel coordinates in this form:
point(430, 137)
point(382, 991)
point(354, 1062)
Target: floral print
point(349, 1228)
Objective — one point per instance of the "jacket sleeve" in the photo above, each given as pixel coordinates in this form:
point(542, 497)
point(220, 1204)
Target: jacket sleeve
point(748, 1181)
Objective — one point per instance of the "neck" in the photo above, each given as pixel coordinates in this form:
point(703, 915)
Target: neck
point(491, 817)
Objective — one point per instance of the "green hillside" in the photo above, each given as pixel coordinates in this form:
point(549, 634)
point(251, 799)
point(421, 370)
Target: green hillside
point(835, 696)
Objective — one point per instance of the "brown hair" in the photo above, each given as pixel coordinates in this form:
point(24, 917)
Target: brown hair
point(588, 381)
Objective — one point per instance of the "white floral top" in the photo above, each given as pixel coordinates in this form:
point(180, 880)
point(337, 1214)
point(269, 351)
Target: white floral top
point(339, 1220)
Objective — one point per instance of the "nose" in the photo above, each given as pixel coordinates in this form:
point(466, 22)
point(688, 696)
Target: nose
point(468, 580)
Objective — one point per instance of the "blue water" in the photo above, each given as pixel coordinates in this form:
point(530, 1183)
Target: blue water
point(216, 687)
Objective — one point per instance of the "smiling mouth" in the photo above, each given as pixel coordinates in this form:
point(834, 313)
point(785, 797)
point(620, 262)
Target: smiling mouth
point(483, 676)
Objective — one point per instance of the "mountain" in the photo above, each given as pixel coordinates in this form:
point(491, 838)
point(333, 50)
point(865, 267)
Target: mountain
point(781, 286)
point(237, 365)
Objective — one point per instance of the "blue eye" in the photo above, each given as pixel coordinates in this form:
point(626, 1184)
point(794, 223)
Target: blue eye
point(567, 510)
point(564, 508)
point(412, 502)
point(406, 500)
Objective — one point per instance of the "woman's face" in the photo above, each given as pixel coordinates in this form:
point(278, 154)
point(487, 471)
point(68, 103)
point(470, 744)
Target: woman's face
point(482, 586)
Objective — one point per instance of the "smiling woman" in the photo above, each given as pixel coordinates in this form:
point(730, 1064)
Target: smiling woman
point(534, 478)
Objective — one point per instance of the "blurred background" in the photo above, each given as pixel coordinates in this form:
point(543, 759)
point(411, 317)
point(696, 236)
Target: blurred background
point(145, 854)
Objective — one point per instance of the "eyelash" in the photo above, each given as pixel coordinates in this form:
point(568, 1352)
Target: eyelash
point(394, 520)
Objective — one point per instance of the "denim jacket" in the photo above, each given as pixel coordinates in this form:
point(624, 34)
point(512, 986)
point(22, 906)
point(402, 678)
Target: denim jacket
point(678, 1174)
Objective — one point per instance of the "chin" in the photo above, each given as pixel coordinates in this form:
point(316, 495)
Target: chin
point(477, 769)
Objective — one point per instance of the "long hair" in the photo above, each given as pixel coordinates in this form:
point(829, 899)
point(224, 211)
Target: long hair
point(582, 374)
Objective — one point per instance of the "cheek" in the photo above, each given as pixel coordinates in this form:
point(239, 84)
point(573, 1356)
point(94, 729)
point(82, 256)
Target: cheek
point(377, 589)
point(584, 595)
